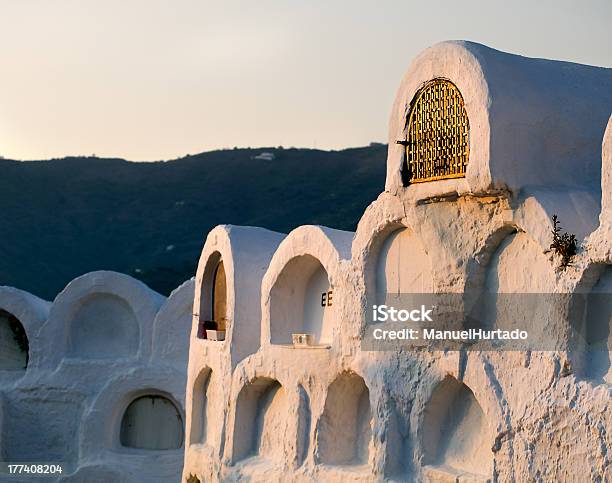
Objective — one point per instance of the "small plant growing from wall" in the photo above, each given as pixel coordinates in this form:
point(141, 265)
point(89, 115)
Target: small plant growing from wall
point(564, 244)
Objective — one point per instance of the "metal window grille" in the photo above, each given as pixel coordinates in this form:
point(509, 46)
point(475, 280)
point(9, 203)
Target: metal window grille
point(437, 141)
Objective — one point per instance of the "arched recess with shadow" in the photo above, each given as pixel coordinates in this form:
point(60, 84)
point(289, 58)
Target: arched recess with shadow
point(261, 426)
point(302, 301)
point(21, 346)
point(456, 436)
point(14, 344)
point(345, 428)
point(591, 325)
point(152, 422)
point(205, 414)
point(103, 326)
point(402, 266)
point(213, 295)
point(511, 287)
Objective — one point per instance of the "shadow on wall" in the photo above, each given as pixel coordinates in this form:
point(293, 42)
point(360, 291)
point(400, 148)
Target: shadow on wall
point(345, 428)
point(592, 321)
point(213, 297)
point(517, 286)
point(204, 413)
point(261, 425)
point(456, 435)
point(14, 346)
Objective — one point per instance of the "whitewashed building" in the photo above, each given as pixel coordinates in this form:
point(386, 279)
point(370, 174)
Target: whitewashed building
point(100, 386)
point(484, 148)
point(260, 370)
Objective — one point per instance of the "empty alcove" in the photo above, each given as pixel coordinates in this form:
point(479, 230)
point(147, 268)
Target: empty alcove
point(103, 326)
point(203, 410)
point(152, 422)
point(403, 266)
point(213, 297)
point(456, 437)
point(518, 265)
point(261, 425)
point(345, 427)
point(515, 291)
point(591, 320)
point(14, 346)
point(302, 302)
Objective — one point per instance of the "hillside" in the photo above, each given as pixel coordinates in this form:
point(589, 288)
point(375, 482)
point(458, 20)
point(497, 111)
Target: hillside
point(64, 217)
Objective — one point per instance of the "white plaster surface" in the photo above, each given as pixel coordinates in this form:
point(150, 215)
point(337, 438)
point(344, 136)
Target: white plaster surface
point(106, 340)
point(346, 414)
point(532, 121)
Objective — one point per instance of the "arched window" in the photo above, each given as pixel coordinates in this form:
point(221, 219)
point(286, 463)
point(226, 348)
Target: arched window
point(437, 139)
point(219, 297)
point(152, 422)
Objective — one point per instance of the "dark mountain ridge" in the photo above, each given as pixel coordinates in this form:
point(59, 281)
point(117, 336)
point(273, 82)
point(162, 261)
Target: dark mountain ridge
point(65, 217)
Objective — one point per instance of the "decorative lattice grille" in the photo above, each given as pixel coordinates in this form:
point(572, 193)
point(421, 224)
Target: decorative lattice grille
point(437, 142)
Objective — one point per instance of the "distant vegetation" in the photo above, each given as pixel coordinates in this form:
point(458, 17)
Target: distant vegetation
point(65, 217)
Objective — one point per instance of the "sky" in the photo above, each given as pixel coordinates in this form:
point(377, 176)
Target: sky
point(159, 79)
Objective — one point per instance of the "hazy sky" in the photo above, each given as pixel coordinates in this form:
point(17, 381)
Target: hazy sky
point(151, 79)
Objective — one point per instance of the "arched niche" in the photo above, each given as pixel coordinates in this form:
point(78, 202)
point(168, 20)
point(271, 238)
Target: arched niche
point(103, 326)
point(204, 413)
point(456, 437)
point(302, 301)
point(14, 345)
point(592, 322)
point(151, 422)
point(519, 265)
point(261, 424)
point(516, 291)
point(214, 313)
point(403, 266)
point(345, 427)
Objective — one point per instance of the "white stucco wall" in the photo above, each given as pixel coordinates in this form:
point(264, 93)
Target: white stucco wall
point(106, 340)
point(606, 174)
point(437, 416)
point(246, 253)
point(531, 120)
